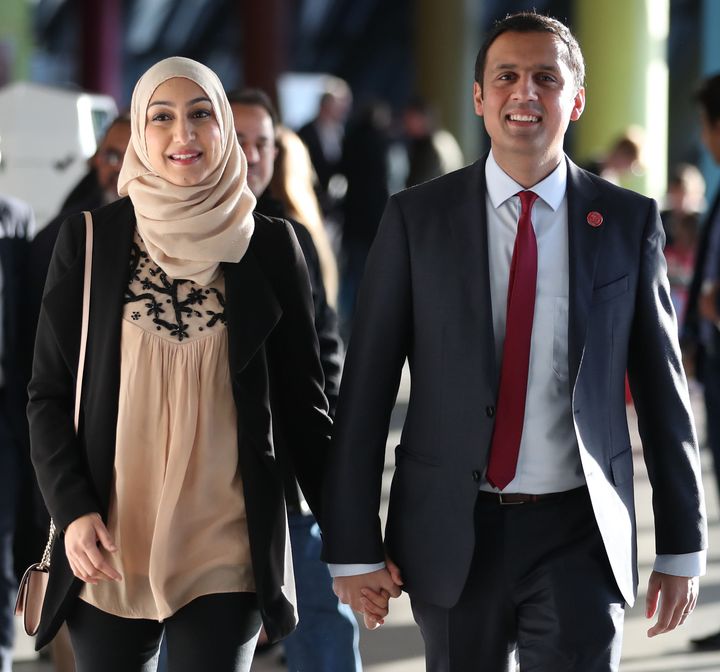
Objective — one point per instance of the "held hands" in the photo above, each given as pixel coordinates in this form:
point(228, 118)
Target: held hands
point(85, 539)
point(677, 596)
point(370, 593)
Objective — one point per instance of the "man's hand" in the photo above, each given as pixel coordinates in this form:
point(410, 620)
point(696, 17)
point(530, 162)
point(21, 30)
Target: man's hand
point(85, 538)
point(367, 594)
point(678, 597)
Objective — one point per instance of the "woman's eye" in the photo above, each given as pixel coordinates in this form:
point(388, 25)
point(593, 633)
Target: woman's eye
point(160, 116)
point(201, 114)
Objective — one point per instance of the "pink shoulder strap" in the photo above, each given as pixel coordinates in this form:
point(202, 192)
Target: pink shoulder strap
point(85, 314)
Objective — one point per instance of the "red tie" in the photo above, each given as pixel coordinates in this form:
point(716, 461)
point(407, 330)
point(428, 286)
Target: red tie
point(516, 351)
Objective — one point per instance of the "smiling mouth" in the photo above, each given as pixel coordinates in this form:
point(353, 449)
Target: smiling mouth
point(525, 118)
point(185, 158)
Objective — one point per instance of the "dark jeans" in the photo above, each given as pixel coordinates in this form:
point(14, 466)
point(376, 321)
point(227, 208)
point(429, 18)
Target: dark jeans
point(327, 637)
point(213, 632)
point(540, 590)
point(8, 503)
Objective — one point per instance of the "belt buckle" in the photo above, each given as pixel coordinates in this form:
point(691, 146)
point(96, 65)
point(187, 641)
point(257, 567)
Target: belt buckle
point(504, 503)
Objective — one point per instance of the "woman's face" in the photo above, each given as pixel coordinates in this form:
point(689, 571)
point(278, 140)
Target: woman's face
point(181, 132)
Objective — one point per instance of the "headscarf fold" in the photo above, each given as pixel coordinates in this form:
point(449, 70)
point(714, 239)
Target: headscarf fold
point(189, 230)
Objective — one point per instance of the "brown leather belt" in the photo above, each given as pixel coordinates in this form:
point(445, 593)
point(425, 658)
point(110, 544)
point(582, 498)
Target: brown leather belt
point(506, 498)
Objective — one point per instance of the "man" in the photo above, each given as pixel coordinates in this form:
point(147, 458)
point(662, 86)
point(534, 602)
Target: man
point(511, 514)
point(98, 187)
point(16, 227)
point(326, 639)
point(323, 136)
point(703, 311)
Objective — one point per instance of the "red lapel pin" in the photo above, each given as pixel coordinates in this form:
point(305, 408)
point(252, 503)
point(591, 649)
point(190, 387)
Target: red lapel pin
point(594, 218)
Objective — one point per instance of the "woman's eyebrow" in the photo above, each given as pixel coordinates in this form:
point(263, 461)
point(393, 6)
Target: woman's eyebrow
point(167, 103)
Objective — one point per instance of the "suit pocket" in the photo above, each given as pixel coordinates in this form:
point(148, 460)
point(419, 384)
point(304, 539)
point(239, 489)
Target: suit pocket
point(621, 467)
point(401, 453)
point(610, 290)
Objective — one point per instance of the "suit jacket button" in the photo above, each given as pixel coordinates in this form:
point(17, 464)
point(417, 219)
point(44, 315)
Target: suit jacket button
point(476, 476)
point(489, 411)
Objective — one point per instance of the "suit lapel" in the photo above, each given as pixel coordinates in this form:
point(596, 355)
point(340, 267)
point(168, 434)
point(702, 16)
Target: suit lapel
point(469, 231)
point(584, 242)
point(251, 309)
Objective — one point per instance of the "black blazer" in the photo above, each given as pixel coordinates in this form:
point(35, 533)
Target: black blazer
point(272, 346)
point(691, 327)
point(426, 297)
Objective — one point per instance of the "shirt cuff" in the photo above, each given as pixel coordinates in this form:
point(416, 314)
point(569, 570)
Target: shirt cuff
point(684, 564)
point(353, 570)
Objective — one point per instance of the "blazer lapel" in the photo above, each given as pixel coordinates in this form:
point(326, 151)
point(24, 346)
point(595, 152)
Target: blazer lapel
point(468, 228)
point(251, 309)
point(584, 242)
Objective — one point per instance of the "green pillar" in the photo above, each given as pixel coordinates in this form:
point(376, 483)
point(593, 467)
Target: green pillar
point(447, 37)
point(15, 40)
point(624, 43)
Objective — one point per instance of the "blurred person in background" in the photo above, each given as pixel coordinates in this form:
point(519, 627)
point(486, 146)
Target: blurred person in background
point(169, 496)
point(323, 137)
point(701, 333)
point(367, 165)
point(17, 224)
point(280, 177)
point(431, 151)
point(681, 220)
point(623, 161)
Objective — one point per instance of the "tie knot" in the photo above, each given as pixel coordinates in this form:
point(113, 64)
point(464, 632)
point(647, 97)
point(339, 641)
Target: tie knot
point(527, 198)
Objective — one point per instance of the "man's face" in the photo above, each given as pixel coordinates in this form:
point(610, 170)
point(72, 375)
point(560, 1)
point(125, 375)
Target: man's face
point(256, 136)
point(109, 157)
point(711, 136)
point(528, 97)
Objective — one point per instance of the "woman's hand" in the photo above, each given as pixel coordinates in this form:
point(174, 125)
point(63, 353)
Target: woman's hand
point(85, 538)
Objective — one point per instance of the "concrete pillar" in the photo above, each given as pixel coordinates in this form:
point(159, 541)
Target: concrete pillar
point(265, 31)
point(100, 54)
point(627, 81)
point(447, 38)
point(15, 40)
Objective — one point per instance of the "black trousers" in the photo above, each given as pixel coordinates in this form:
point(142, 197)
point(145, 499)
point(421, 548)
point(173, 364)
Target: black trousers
point(213, 632)
point(540, 591)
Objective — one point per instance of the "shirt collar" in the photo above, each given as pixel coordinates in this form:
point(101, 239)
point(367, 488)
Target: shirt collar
point(501, 187)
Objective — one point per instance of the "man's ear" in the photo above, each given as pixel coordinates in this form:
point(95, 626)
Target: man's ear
point(477, 99)
point(578, 104)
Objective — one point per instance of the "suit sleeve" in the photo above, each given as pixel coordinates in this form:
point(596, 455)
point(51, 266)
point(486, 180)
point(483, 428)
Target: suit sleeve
point(663, 408)
point(296, 367)
point(378, 348)
point(56, 451)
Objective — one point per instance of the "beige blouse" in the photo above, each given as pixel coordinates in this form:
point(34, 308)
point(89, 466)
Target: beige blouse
point(177, 511)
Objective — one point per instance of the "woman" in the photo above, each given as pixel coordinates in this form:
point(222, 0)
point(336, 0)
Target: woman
point(292, 185)
point(169, 496)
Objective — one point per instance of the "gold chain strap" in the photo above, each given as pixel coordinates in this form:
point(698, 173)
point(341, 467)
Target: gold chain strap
point(45, 562)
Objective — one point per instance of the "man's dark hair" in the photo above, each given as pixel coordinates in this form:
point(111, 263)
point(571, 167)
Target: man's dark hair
point(708, 96)
point(532, 22)
point(258, 98)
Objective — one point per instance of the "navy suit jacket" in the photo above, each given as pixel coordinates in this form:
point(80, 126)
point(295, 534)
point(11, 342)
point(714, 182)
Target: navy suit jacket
point(426, 297)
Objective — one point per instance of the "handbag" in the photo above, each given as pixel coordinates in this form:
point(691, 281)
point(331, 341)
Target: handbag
point(33, 585)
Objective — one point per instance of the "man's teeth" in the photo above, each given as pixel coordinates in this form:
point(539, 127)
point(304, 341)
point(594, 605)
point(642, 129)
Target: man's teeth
point(524, 117)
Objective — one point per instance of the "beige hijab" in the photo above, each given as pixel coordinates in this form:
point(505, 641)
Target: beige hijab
point(188, 230)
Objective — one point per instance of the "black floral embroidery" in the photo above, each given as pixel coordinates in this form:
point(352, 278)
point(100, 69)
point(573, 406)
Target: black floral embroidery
point(157, 290)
